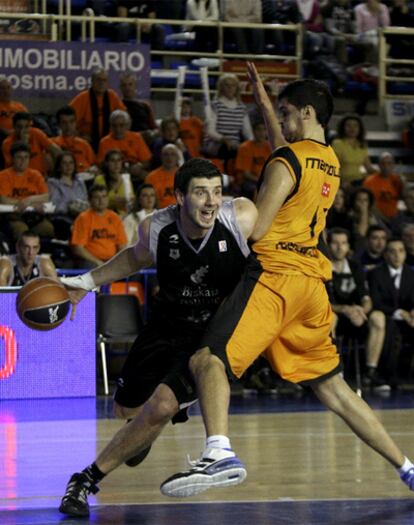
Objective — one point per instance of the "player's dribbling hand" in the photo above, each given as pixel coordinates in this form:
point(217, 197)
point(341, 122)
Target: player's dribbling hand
point(76, 294)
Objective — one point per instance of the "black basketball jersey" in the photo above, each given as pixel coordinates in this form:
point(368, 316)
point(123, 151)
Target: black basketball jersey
point(16, 277)
point(194, 279)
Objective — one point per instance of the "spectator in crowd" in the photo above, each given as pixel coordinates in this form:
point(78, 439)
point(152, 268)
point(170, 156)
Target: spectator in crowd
point(280, 12)
point(98, 233)
point(363, 215)
point(315, 41)
point(8, 108)
point(142, 116)
point(352, 305)
point(229, 121)
point(133, 147)
point(42, 150)
point(120, 191)
point(68, 193)
point(68, 140)
point(339, 23)
point(407, 236)
point(191, 128)
point(251, 156)
point(242, 12)
point(93, 108)
point(153, 34)
point(26, 189)
point(352, 151)
point(145, 203)
point(392, 292)
point(386, 186)
point(370, 16)
point(376, 242)
point(338, 215)
point(203, 11)
point(406, 216)
point(401, 15)
point(170, 134)
point(26, 263)
point(162, 178)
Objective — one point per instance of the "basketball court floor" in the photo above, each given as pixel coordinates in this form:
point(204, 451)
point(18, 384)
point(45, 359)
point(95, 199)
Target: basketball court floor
point(304, 466)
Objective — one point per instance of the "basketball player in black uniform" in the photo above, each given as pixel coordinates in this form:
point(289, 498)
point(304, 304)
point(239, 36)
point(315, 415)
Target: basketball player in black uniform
point(199, 248)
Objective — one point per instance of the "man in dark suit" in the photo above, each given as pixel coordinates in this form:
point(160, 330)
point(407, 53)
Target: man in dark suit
point(392, 290)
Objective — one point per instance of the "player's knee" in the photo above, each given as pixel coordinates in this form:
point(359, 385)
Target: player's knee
point(334, 393)
point(162, 405)
point(202, 360)
point(377, 320)
point(122, 412)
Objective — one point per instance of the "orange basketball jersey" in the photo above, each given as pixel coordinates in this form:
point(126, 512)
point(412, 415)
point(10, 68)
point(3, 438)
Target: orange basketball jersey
point(290, 245)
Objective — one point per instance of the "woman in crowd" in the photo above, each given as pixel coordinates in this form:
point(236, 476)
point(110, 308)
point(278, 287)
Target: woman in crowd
point(352, 150)
point(145, 203)
point(170, 134)
point(120, 191)
point(68, 193)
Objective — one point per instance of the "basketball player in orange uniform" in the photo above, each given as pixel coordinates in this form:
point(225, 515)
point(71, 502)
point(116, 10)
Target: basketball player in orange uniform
point(280, 309)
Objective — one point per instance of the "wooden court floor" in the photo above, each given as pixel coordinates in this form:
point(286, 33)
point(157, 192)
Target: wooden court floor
point(304, 467)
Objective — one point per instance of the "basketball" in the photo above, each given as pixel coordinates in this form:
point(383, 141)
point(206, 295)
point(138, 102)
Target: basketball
point(42, 303)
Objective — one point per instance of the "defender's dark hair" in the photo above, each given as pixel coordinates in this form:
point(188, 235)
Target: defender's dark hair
point(18, 146)
point(27, 233)
point(337, 231)
point(310, 92)
point(194, 168)
point(67, 111)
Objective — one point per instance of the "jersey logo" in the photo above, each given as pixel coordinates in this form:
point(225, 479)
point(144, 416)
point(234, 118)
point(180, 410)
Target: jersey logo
point(326, 189)
point(222, 246)
point(53, 314)
point(174, 253)
point(198, 276)
point(173, 239)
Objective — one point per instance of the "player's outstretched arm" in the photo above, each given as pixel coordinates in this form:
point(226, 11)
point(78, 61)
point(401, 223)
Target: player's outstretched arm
point(246, 214)
point(274, 130)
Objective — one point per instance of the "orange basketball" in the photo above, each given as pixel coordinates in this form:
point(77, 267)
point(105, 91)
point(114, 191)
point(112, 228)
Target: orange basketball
point(42, 303)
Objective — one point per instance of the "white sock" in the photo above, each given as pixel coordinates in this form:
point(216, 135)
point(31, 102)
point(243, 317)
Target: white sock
point(218, 441)
point(407, 465)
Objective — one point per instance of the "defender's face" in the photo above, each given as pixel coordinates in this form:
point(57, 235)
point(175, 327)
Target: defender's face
point(200, 205)
point(339, 246)
point(290, 121)
point(27, 249)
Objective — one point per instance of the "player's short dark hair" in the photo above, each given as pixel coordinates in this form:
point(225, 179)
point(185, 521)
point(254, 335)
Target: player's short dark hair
point(195, 168)
point(19, 146)
point(66, 111)
point(337, 231)
point(95, 188)
point(21, 115)
point(28, 233)
point(310, 92)
point(375, 228)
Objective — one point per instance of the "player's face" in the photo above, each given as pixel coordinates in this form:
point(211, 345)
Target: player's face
point(118, 127)
point(377, 242)
point(339, 246)
point(21, 161)
point(147, 199)
point(200, 205)
point(290, 121)
point(99, 201)
point(27, 249)
point(395, 254)
point(67, 124)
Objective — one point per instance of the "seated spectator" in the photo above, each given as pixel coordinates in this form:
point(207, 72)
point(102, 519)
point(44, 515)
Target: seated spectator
point(363, 215)
point(153, 34)
point(42, 150)
point(142, 116)
point(68, 193)
point(26, 189)
point(251, 156)
point(145, 203)
point(352, 151)
point(8, 108)
point(280, 12)
point(352, 305)
point(203, 11)
point(120, 191)
point(93, 108)
point(401, 15)
point(406, 216)
point(339, 23)
point(133, 147)
point(392, 291)
point(162, 178)
point(69, 141)
point(373, 255)
point(244, 11)
point(26, 263)
point(228, 123)
point(315, 41)
point(386, 186)
point(170, 134)
point(98, 233)
point(407, 236)
point(370, 16)
point(191, 128)
point(338, 215)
